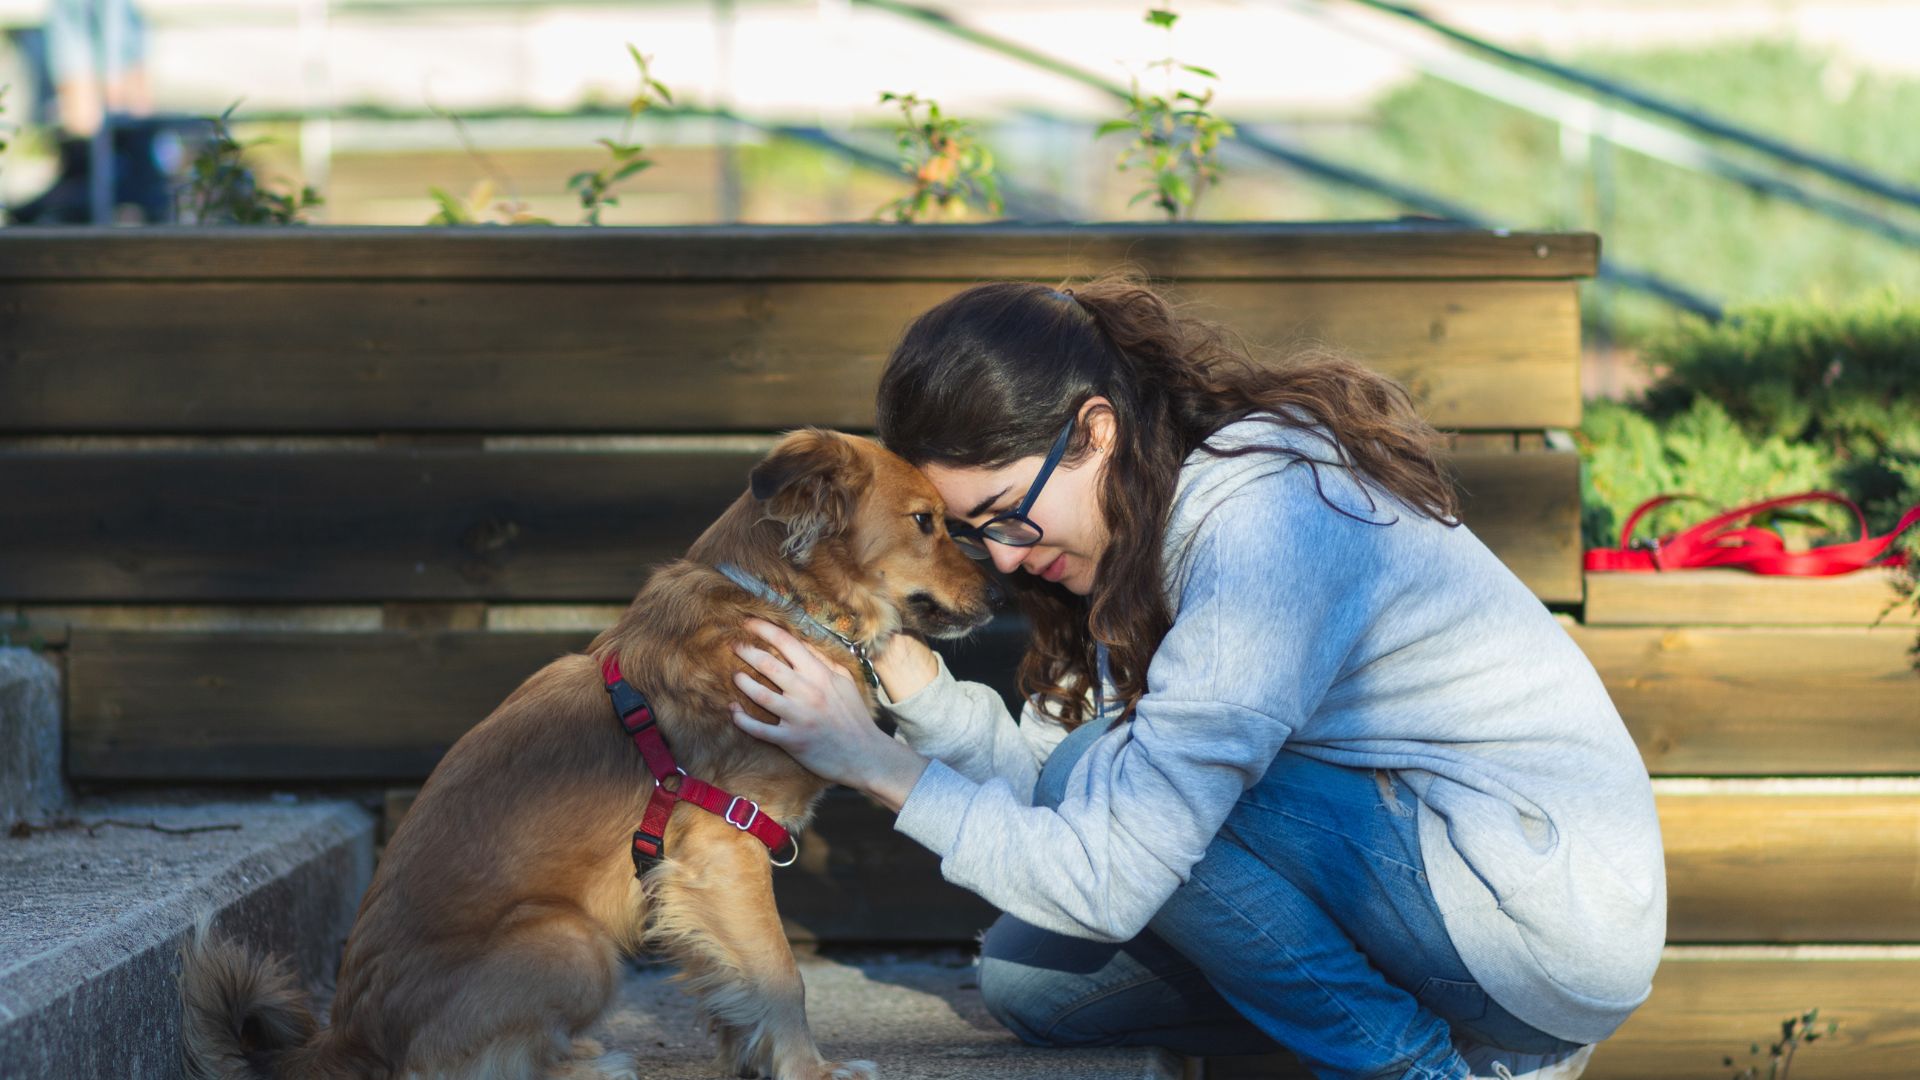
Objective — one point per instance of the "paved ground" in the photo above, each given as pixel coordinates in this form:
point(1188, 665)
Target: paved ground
point(917, 1015)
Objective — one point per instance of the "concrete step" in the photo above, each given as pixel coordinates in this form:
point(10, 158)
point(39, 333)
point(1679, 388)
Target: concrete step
point(99, 898)
point(917, 1015)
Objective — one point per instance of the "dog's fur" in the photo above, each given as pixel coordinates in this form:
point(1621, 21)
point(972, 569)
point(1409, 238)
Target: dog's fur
point(491, 936)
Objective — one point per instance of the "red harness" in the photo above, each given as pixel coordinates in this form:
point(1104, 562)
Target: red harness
point(671, 784)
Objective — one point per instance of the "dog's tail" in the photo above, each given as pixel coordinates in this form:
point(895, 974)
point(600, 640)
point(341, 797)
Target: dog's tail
point(241, 1012)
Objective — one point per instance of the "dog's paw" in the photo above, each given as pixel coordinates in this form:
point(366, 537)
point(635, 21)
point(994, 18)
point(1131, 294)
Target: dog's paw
point(617, 1065)
point(851, 1070)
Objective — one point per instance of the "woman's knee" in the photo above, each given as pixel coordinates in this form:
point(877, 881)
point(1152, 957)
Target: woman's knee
point(1013, 996)
point(1053, 990)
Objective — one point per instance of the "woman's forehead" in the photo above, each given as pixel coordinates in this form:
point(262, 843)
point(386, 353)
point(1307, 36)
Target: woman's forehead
point(964, 487)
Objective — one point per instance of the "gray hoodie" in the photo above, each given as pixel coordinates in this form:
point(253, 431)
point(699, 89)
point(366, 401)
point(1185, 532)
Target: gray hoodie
point(1407, 646)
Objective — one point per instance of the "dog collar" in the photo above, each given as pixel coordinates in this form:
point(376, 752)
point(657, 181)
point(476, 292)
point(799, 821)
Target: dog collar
point(813, 627)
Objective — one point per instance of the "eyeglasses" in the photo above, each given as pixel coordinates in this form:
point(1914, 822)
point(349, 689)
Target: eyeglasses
point(1012, 528)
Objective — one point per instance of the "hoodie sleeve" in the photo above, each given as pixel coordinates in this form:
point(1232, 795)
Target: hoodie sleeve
point(1275, 599)
point(966, 725)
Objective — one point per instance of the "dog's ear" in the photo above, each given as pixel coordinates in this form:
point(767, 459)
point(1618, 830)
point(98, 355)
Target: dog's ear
point(807, 481)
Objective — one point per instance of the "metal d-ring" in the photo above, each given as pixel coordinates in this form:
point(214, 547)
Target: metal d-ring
point(793, 840)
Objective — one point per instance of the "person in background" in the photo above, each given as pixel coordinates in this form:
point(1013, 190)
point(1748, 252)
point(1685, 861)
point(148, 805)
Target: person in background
point(81, 35)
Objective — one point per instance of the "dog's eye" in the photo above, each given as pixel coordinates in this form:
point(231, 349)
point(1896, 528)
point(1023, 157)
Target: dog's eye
point(925, 521)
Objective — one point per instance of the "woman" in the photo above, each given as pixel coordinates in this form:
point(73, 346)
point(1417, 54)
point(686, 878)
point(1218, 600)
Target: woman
point(1303, 764)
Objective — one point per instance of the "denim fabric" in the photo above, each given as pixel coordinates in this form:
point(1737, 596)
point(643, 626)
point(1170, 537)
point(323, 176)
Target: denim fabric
point(1308, 924)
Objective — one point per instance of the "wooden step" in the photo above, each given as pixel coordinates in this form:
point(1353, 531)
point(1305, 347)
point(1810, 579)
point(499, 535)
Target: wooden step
point(1857, 600)
point(1711, 1003)
point(1763, 700)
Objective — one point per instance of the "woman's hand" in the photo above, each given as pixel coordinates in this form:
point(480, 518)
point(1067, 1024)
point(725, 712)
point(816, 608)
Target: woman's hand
point(905, 666)
point(824, 721)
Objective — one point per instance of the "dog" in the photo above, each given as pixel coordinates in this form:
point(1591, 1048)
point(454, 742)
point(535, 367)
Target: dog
point(493, 931)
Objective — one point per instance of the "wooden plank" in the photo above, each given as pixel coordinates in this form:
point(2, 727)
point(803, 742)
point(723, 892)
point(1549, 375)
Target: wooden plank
point(860, 881)
point(1501, 441)
point(1526, 508)
point(597, 356)
point(229, 707)
point(1792, 865)
point(1738, 598)
point(1740, 868)
point(430, 523)
point(1707, 1006)
point(1703, 701)
point(414, 524)
point(1271, 250)
point(380, 705)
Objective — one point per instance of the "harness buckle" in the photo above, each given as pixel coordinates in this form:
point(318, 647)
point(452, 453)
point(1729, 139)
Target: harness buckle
point(752, 815)
point(648, 849)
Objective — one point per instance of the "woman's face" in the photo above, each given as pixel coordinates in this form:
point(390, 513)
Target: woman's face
point(1074, 532)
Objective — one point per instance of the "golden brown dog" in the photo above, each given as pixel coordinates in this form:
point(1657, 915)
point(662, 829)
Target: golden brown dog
point(491, 936)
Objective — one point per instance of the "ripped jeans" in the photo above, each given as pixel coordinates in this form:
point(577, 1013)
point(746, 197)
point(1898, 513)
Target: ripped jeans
point(1308, 924)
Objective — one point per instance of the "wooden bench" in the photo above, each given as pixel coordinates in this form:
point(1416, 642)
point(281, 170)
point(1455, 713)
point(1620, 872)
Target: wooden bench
point(301, 506)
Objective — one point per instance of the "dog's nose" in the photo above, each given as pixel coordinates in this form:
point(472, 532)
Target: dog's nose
point(996, 592)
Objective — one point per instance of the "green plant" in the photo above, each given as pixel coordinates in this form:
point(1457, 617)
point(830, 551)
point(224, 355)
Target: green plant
point(626, 158)
point(1844, 378)
point(949, 166)
point(23, 631)
point(224, 191)
point(1629, 457)
point(478, 204)
point(1780, 1054)
point(1174, 136)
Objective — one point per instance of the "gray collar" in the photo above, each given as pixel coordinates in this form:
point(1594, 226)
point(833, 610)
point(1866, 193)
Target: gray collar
point(813, 627)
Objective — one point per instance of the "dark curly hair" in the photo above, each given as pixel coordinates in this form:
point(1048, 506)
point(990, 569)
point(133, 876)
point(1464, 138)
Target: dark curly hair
point(990, 375)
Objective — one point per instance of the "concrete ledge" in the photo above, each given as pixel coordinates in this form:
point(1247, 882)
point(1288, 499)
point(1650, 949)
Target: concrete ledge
point(918, 1016)
point(94, 917)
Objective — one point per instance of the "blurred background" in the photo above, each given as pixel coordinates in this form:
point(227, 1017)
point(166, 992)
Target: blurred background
point(1728, 151)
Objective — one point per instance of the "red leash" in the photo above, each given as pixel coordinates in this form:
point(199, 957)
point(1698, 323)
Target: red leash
point(649, 840)
point(1714, 542)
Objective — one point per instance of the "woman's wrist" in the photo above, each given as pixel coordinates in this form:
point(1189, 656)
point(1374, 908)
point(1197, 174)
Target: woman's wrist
point(896, 770)
point(905, 666)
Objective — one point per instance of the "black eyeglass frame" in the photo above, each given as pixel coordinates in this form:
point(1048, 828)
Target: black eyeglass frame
point(979, 534)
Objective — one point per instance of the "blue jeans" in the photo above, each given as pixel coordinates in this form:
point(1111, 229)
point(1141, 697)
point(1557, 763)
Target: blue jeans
point(1308, 925)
